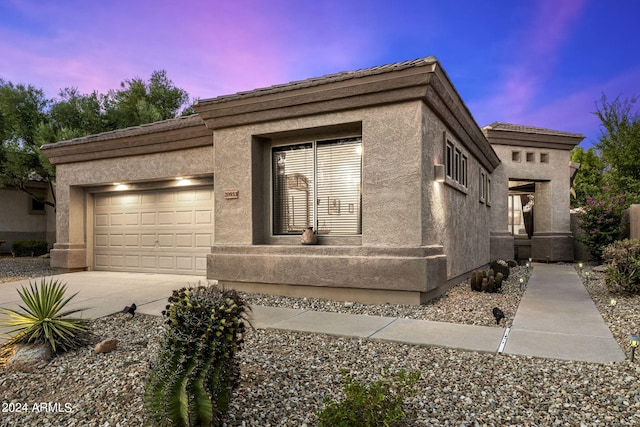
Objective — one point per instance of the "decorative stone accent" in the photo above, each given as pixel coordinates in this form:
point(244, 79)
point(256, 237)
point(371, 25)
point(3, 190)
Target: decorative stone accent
point(106, 346)
point(29, 357)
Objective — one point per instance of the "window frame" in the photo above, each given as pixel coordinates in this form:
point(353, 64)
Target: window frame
point(456, 161)
point(314, 182)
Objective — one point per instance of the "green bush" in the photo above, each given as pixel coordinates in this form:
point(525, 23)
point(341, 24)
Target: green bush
point(377, 404)
point(23, 248)
point(622, 259)
point(42, 321)
point(196, 369)
point(600, 222)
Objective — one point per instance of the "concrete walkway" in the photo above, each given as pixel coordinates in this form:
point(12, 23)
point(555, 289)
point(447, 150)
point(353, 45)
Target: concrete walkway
point(556, 317)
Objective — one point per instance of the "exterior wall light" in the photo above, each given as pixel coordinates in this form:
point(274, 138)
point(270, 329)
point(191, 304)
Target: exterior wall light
point(634, 340)
point(439, 173)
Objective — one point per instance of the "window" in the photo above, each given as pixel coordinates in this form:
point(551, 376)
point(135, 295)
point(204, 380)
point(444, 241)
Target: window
point(37, 206)
point(515, 156)
point(544, 157)
point(483, 186)
point(449, 159)
point(456, 164)
point(318, 184)
point(531, 157)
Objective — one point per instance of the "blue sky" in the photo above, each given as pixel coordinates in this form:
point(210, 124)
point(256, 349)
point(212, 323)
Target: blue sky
point(542, 63)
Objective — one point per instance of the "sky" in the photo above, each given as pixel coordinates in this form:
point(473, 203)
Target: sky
point(543, 63)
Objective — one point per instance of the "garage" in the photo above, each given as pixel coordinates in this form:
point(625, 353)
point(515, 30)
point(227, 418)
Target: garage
point(156, 231)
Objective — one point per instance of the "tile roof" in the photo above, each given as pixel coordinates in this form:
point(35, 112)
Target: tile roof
point(165, 125)
point(329, 78)
point(529, 129)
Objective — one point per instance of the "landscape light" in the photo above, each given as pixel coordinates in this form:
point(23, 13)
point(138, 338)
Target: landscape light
point(587, 274)
point(612, 303)
point(634, 340)
point(521, 283)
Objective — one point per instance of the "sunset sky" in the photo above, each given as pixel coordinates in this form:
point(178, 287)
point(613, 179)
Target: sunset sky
point(536, 62)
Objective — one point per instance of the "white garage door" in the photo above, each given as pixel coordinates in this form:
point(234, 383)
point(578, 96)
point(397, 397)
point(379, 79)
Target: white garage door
point(161, 231)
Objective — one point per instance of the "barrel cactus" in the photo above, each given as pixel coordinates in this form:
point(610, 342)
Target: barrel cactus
point(196, 369)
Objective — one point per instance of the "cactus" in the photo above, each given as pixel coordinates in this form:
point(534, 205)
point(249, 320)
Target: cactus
point(196, 369)
point(500, 266)
point(499, 277)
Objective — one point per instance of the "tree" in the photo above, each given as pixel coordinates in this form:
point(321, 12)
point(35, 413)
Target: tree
point(588, 179)
point(608, 182)
point(139, 102)
point(28, 120)
point(23, 120)
point(620, 143)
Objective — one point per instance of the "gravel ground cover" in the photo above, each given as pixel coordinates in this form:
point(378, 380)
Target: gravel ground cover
point(287, 375)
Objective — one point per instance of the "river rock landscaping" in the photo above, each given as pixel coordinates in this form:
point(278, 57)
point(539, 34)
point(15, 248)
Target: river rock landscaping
point(287, 375)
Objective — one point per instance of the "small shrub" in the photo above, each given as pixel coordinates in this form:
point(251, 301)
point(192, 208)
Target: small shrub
point(622, 259)
point(377, 404)
point(24, 248)
point(42, 321)
point(196, 369)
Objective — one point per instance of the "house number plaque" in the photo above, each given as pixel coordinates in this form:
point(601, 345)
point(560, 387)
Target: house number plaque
point(231, 194)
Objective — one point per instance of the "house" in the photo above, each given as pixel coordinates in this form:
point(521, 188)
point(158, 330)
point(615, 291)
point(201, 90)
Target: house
point(24, 218)
point(406, 193)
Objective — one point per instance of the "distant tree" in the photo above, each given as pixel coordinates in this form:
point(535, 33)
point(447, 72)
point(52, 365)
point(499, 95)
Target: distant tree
point(588, 180)
point(608, 182)
point(139, 102)
point(23, 121)
point(619, 143)
point(28, 120)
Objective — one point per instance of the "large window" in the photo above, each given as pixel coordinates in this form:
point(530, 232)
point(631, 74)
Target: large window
point(318, 184)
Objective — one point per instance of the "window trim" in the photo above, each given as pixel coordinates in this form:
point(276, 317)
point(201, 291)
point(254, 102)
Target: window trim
point(456, 161)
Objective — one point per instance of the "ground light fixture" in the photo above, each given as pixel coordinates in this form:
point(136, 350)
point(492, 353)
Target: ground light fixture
point(587, 274)
point(521, 283)
point(612, 304)
point(580, 265)
point(634, 340)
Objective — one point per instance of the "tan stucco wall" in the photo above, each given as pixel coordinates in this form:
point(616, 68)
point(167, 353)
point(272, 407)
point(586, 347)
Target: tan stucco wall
point(17, 222)
point(552, 230)
point(402, 207)
point(453, 219)
point(74, 180)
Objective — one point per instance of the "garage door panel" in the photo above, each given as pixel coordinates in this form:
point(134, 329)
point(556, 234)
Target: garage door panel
point(132, 240)
point(168, 231)
point(203, 240)
point(148, 218)
point(184, 240)
point(166, 240)
point(204, 217)
point(133, 261)
point(102, 220)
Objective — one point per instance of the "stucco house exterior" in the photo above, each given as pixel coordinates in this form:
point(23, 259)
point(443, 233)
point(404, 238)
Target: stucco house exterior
point(406, 193)
point(24, 218)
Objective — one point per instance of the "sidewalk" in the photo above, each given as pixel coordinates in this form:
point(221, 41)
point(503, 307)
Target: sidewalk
point(556, 317)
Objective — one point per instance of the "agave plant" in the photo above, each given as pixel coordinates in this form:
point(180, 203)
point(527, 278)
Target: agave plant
point(42, 319)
